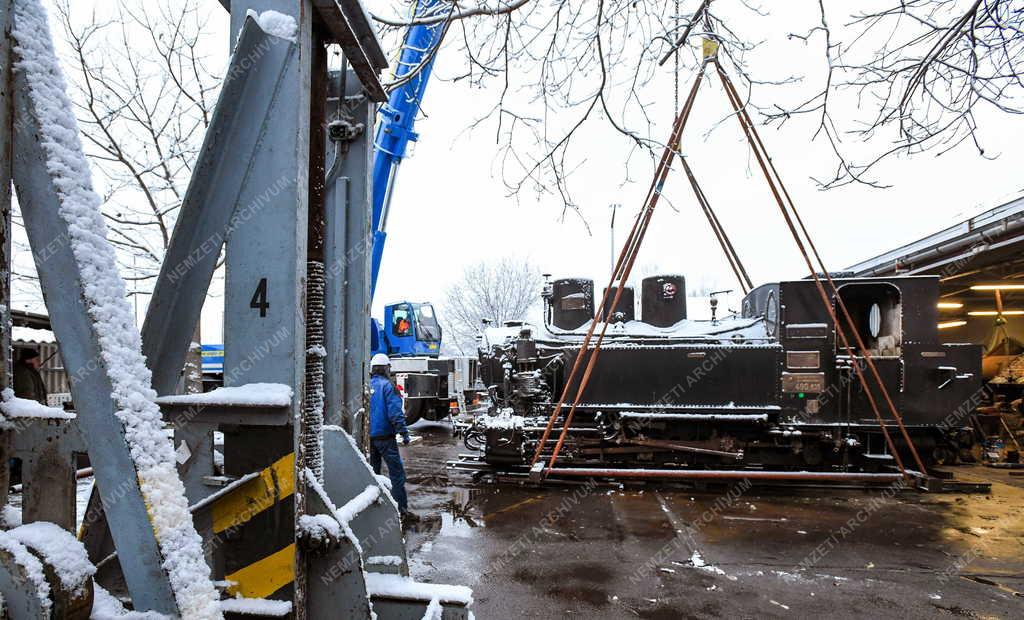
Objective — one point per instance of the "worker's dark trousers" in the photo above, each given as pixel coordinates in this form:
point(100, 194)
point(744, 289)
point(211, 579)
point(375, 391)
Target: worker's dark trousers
point(387, 449)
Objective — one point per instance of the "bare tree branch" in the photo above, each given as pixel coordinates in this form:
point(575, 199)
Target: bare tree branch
point(496, 291)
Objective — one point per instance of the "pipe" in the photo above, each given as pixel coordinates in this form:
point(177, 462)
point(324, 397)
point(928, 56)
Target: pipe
point(695, 417)
point(681, 447)
point(720, 474)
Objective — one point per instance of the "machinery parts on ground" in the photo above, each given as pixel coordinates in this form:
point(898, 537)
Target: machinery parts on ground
point(432, 388)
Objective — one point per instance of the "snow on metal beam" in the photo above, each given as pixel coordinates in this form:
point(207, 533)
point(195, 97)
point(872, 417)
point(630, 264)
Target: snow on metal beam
point(132, 457)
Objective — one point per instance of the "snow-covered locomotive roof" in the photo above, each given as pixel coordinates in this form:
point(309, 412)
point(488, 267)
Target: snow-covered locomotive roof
point(729, 329)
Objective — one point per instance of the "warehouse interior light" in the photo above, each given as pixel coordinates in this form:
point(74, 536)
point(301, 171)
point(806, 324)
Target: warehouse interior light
point(949, 305)
point(995, 313)
point(949, 324)
point(1000, 286)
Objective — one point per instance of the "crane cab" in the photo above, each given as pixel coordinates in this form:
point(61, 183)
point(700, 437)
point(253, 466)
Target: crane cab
point(409, 329)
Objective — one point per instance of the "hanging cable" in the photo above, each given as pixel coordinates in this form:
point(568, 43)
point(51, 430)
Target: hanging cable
point(716, 226)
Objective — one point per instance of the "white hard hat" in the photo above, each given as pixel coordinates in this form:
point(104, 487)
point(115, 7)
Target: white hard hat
point(379, 360)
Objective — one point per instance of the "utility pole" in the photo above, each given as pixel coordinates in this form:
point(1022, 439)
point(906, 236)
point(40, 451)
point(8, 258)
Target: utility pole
point(611, 254)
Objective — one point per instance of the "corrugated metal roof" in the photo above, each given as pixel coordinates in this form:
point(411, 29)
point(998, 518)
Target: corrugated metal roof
point(30, 335)
point(939, 241)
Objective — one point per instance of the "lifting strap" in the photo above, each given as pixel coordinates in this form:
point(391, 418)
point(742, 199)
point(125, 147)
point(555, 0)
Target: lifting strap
point(716, 226)
point(801, 237)
point(620, 273)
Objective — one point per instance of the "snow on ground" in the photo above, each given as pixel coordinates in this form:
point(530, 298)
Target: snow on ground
point(250, 395)
point(105, 295)
point(698, 562)
point(14, 407)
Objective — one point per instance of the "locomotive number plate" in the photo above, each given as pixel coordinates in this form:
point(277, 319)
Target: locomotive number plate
point(809, 382)
point(807, 330)
point(810, 360)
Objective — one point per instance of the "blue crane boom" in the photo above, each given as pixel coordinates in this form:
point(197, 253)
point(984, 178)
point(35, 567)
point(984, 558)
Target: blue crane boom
point(413, 328)
point(398, 116)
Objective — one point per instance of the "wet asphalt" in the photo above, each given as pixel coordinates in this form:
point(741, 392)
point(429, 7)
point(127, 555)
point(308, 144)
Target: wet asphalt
point(651, 551)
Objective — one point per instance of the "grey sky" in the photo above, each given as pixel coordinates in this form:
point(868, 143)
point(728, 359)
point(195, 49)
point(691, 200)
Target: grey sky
point(451, 209)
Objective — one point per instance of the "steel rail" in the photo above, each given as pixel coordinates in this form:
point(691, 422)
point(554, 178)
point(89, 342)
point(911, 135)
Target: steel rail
point(724, 474)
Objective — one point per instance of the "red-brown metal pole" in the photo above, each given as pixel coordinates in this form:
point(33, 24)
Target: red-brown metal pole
point(761, 153)
point(629, 248)
point(716, 226)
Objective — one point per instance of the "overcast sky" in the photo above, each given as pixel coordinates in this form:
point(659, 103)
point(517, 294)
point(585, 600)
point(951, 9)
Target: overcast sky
point(451, 208)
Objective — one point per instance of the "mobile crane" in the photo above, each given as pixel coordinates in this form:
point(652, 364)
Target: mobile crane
point(413, 329)
point(410, 333)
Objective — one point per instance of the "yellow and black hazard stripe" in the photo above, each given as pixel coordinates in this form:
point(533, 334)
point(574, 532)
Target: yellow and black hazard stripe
point(264, 578)
point(254, 526)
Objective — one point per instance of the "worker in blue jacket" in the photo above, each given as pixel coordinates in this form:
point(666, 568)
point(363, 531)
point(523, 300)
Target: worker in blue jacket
point(387, 419)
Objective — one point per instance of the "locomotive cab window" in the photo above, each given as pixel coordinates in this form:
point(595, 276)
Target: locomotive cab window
point(878, 316)
point(574, 301)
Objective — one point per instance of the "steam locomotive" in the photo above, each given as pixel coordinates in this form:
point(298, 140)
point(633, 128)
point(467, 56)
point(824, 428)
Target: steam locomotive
point(766, 387)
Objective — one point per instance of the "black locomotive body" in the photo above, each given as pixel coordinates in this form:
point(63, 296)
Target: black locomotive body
point(770, 387)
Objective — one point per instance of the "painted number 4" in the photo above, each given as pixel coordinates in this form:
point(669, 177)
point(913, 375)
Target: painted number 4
point(259, 298)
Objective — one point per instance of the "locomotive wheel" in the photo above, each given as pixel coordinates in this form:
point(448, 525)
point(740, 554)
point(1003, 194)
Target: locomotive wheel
point(812, 454)
point(414, 408)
